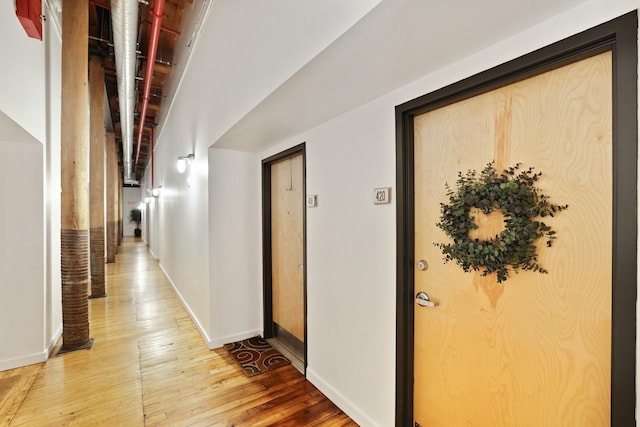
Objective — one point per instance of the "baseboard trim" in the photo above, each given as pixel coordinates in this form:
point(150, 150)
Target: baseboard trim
point(339, 400)
point(193, 317)
point(54, 341)
point(219, 342)
point(30, 359)
point(21, 361)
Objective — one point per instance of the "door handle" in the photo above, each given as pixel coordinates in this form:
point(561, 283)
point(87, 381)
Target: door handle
point(423, 300)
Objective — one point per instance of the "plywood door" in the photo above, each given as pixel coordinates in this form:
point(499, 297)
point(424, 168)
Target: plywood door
point(535, 350)
point(287, 202)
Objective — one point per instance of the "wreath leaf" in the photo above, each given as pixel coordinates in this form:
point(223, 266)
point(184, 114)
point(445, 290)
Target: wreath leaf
point(514, 193)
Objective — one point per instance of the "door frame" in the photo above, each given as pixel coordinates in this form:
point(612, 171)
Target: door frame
point(620, 37)
point(267, 273)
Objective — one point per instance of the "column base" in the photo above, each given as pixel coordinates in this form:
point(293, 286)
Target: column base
point(85, 346)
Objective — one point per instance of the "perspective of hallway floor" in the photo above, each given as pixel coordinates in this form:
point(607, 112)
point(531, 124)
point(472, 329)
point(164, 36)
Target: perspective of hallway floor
point(149, 366)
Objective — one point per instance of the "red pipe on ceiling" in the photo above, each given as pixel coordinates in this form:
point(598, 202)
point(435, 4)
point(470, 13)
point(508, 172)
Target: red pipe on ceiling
point(168, 30)
point(157, 13)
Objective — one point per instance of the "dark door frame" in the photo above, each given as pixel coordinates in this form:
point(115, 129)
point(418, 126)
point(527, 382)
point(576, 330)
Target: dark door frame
point(267, 277)
point(620, 37)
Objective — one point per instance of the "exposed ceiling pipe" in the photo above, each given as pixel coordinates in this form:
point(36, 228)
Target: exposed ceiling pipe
point(157, 13)
point(124, 20)
point(165, 29)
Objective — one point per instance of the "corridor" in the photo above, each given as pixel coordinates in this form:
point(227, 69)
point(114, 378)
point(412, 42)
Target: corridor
point(149, 366)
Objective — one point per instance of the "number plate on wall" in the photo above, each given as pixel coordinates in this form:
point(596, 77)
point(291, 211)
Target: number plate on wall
point(382, 196)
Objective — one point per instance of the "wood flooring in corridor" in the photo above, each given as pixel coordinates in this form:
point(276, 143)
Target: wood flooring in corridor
point(149, 366)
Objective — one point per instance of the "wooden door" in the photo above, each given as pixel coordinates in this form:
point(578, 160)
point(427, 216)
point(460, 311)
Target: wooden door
point(536, 349)
point(287, 248)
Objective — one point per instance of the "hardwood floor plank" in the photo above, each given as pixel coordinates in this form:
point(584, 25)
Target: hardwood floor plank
point(150, 367)
point(314, 414)
point(17, 383)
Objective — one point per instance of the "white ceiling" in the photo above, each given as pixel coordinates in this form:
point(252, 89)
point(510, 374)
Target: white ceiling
point(245, 50)
point(397, 42)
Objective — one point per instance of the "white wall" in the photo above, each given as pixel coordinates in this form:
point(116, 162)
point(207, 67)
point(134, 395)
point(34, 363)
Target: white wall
point(150, 218)
point(30, 308)
point(179, 223)
point(351, 262)
point(52, 178)
point(351, 243)
point(237, 39)
point(235, 259)
point(22, 293)
point(22, 83)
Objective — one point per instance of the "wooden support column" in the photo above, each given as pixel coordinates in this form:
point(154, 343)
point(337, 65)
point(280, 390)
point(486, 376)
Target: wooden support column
point(96, 241)
point(75, 176)
point(112, 202)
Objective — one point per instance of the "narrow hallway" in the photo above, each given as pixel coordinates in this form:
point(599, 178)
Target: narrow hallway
point(149, 366)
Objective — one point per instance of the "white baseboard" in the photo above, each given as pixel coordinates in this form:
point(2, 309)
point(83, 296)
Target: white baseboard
point(54, 341)
point(30, 359)
point(339, 400)
point(219, 342)
point(186, 307)
point(211, 343)
point(21, 361)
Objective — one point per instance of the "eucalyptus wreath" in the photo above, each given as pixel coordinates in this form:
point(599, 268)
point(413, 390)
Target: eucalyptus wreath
point(515, 194)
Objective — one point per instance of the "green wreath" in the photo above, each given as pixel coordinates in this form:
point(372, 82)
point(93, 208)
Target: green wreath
point(514, 193)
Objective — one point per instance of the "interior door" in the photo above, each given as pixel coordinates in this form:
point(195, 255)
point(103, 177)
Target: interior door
point(287, 251)
point(536, 349)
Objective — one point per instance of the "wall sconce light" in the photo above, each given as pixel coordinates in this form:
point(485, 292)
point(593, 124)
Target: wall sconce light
point(156, 191)
point(183, 162)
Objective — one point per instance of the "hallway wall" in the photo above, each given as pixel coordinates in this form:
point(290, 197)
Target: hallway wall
point(23, 82)
point(178, 221)
point(351, 262)
point(53, 178)
point(22, 292)
point(235, 259)
point(350, 241)
point(30, 307)
point(260, 60)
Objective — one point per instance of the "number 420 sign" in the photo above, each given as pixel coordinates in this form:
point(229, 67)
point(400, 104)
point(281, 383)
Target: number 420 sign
point(382, 196)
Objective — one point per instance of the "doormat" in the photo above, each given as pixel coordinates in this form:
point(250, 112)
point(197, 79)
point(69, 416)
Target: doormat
point(255, 356)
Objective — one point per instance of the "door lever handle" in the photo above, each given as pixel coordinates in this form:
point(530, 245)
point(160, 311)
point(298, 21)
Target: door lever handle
point(423, 300)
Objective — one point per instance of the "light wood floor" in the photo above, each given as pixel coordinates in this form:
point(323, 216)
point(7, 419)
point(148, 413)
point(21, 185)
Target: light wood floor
point(149, 366)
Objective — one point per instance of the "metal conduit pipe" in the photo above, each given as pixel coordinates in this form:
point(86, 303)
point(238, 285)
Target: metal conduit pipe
point(124, 20)
point(158, 14)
